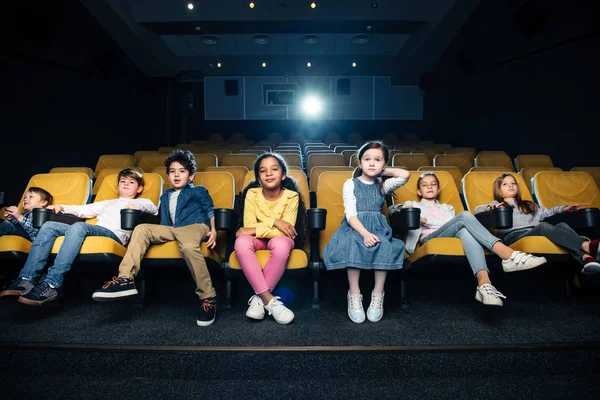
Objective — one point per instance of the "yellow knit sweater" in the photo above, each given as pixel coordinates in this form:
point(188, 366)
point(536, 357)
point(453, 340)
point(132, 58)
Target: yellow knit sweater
point(260, 213)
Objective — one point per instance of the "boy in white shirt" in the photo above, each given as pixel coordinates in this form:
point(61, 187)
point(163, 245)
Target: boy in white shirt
point(108, 212)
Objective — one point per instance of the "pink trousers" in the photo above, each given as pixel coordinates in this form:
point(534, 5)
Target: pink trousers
point(261, 279)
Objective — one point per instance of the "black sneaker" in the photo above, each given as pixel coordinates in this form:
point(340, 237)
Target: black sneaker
point(208, 311)
point(18, 287)
point(116, 289)
point(39, 295)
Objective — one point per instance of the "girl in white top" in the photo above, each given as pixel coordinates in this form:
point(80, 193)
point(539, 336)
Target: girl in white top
point(439, 221)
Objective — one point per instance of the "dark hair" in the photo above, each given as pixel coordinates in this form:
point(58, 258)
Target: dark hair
point(373, 144)
point(288, 183)
point(423, 175)
point(131, 173)
point(44, 194)
point(183, 157)
point(525, 206)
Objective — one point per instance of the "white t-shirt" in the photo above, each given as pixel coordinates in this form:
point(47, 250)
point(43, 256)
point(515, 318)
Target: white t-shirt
point(173, 204)
point(389, 185)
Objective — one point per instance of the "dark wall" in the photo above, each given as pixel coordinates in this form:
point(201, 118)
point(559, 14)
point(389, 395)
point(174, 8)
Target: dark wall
point(69, 95)
point(522, 78)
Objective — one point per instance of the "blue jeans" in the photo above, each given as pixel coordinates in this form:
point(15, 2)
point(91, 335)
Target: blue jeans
point(473, 236)
point(42, 246)
point(6, 228)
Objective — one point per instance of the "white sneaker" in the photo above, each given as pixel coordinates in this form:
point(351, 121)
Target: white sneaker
point(489, 295)
point(520, 261)
point(356, 312)
point(375, 310)
point(256, 309)
point(281, 313)
point(591, 267)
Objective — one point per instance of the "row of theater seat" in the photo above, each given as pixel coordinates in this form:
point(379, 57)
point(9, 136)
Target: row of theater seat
point(550, 188)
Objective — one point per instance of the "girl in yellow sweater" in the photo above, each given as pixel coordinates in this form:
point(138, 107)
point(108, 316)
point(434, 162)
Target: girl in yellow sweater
point(274, 218)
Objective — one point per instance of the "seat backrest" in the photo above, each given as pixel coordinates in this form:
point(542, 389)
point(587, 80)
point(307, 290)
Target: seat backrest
point(347, 154)
point(293, 159)
point(239, 160)
point(71, 188)
point(329, 196)
point(340, 148)
point(354, 160)
point(204, 160)
point(533, 160)
point(454, 171)
point(317, 171)
point(220, 186)
point(148, 162)
point(140, 153)
point(297, 174)
point(490, 169)
point(462, 161)
point(562, 188)
point(167, 149)
point(239, 174)
point(470, 151)
point(410, 161)
point(448, 190)
point(429, 153)
point(104, 173)
point(61, 170)
point(493, 159)
point(478, 188)
point(529, 172)
point(220, 154)
point(594, 171)
point(114, 161)
point(165, 177)
point(321, 160)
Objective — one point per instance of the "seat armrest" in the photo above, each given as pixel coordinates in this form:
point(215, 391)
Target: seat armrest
point(580, 219)
point(224, 219)
point(43, 215)
point(130, 218)
point(316, 218)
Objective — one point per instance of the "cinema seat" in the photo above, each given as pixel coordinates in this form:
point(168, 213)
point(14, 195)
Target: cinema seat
point(410, 161)
point(529, 172)
point(148, 162)
point(101, 249)
point(558, 188)
point(205, 160)
point(293, 160)
point(493, 159)
point(239, 160)
point(478, 189)
point(322, 160)
point(456, 173)
point(86, 170)
point(315, 172)
point(119, 161)
point(65, 188)
point(238, 173)
point(533, 160)
point(463, 161)
point(103, 174)
point(470, 151)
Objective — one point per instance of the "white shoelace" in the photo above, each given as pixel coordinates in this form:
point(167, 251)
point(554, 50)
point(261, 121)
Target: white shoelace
point(377, 301)
point(276, 306)
point(355, 302)
point(492, 291)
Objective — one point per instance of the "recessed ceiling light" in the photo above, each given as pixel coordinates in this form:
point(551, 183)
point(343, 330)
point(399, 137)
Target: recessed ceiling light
point(218, 65)
point(360, 39)
point(308, 64)
point(209, 40)
point(310, 39)
point(251, 5)
point(190, 6)
point(354, 64)
point(197, 29)
point(313, 5)
point(374, 5)
point(264, 64)
point(261, 39)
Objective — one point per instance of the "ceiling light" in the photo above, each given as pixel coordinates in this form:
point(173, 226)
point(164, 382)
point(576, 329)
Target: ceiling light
point(264, 64)
point(308, 64)
point(374, 5)
point(313, 5)
point(218, 65)
point(261, 39)
point(251, 5)
point(209, 40)
point(310, 39)
point(360, 39)
point(354, 64)
point(190, 6)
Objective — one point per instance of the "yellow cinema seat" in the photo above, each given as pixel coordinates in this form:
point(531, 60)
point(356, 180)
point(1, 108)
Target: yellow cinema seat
point(533, 160)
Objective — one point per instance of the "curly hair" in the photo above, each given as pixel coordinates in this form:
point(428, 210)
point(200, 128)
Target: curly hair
point(183, 157)
point(288, 183)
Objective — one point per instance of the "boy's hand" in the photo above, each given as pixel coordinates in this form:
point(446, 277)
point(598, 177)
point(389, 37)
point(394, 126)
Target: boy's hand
point(131, 207)
point(286, 228)
point(572, 207)
point(12, 212)
point(370, 240)
point(56, 208)
point(243, 231)
point(211, 241)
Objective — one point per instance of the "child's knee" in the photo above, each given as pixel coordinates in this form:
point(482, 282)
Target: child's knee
point(281, 244)
point(142, 229)
point(243, 242)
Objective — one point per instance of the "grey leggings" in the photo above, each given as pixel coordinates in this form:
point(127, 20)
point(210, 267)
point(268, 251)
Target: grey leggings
point(560, 234)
